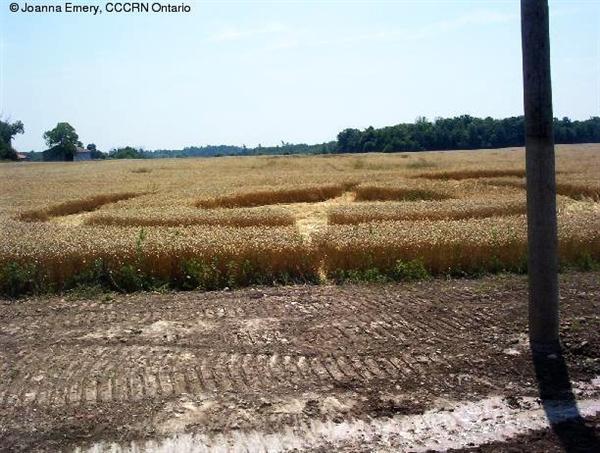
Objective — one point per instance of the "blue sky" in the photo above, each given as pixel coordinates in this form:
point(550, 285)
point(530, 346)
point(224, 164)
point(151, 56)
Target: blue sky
point(250, 72)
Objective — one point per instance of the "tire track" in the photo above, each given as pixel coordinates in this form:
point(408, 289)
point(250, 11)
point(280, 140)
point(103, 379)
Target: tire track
point(134, 374)
point(250, 347)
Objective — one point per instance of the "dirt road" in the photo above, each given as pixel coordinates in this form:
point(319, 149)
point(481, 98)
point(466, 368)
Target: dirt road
point(353, 368)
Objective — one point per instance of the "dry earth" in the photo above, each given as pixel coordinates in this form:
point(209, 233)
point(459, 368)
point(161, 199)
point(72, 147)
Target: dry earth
point(434, 365)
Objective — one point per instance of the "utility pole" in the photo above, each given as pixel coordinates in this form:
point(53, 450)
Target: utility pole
point(542, 233)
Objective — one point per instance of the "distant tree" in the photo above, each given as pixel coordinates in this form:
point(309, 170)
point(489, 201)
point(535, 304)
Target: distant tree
point(462, 132)
point(369, 140)
point(349, 141)
point(94, 151)
point(64, 139)
point(128, 152)
point(7, 133)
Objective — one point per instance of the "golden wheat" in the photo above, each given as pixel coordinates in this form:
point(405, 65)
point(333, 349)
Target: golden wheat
point(370, 192)
point(450, 244)
point(244, 217)
point(64, 252)
point(579, 190)
point(425, 210)
point(293, 215)
point(472, 174)
point(74, 206)
point(276, 195)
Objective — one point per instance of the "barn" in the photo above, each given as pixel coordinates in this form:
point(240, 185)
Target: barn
point(57, 154)
point(23, 157)
point(82, 154)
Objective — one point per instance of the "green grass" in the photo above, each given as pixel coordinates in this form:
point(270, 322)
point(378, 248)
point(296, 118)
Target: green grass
point(96, 280)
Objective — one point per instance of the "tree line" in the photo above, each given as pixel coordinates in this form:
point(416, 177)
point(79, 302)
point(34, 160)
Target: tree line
point(462, 132)
point(230, 150)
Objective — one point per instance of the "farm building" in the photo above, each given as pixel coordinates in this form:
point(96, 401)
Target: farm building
point(57, 154)
point(82, 154)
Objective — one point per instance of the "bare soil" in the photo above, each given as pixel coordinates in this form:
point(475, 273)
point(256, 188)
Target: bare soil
point(146, 366)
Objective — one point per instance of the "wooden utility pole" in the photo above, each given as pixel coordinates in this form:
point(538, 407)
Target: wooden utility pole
point(541, 178)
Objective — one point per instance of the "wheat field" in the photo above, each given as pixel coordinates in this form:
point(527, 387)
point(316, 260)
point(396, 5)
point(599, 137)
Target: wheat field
point(264, 219)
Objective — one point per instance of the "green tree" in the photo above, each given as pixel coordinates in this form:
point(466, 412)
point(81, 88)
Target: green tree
point(349, 141)
point(127, 152)
point(63, 138)
point(96, 154)
point(7, 132)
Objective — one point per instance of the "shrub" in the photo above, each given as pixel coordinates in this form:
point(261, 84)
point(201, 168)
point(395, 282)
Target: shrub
point(585, 262)
point(200, 275)
point(409, 270)
point(95, 274)
point(19, 279)
point(368, 275)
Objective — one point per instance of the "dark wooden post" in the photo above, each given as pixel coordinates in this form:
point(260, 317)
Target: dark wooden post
point(541, 178)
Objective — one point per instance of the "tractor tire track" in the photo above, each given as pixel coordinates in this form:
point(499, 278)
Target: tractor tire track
point(277, 356)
